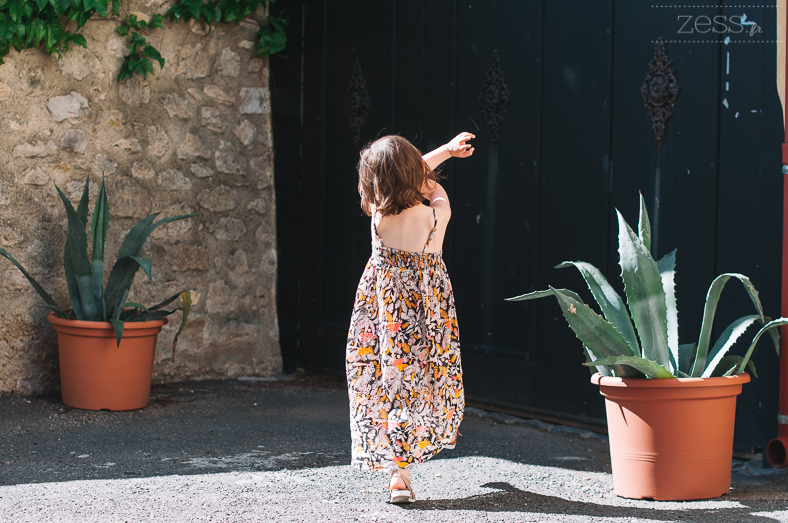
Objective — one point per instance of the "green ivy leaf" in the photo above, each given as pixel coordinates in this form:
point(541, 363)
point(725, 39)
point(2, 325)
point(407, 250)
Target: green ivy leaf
point(79, 40)
point(53, 33)
point(19, 9)
point(156, 22)
point(152, 52)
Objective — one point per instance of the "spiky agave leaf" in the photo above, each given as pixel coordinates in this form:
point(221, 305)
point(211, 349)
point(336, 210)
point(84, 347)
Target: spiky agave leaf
point(667, 272)
point(772, 324)
point(77, 244)
point(727, 366)
point(601, 369)
point(98, 235)
point(645, 295)
point(117, 326)
point(596, 333)
point(644, 226)
point(710, 309)
point(726, 341)
point(543, 294)
point(647, 367)
point(122, 274)
point(609, 301)
point(50, 303)
point(687, 353)
point(72, 283)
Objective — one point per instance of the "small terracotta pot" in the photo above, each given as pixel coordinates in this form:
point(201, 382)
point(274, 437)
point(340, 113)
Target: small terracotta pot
point(671, 439)
point(95, 373)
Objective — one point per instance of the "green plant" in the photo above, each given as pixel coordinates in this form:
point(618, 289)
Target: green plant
point(26, 24)
point(90, 300)
point(142, 54)
point(610, 342)
point(271, 38)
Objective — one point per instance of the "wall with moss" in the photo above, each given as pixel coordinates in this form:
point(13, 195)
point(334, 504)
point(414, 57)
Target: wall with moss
point(194, 137)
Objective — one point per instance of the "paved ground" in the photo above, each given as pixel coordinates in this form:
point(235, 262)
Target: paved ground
point(238, 451)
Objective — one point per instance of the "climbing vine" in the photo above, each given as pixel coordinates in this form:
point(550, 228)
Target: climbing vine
point(26, 24)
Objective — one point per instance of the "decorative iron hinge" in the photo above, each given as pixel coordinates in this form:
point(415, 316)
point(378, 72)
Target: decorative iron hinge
point(357, 102)
point(660, 90)
point(494, 97)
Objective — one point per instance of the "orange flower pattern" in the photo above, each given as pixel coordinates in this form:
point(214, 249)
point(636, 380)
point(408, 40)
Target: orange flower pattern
point(403, 360)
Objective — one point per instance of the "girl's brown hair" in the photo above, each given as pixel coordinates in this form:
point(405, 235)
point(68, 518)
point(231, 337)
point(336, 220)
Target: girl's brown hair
point(392, 176)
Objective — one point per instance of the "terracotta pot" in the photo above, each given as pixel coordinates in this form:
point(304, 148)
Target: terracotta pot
point(671, 439)
point(95, 373)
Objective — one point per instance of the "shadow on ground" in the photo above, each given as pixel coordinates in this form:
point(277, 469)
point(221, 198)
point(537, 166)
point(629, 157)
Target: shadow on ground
point(511, 499)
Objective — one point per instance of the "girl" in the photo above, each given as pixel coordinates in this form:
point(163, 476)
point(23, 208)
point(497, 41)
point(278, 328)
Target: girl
point(403, 352)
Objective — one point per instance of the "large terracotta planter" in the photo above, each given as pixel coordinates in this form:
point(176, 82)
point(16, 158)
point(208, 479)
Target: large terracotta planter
point(671, 439)
point(95, 373)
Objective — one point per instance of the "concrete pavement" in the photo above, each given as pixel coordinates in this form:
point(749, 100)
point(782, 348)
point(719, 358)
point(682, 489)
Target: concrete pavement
point(232, 451)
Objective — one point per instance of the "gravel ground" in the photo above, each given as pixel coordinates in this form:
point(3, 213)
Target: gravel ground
point(231, 451)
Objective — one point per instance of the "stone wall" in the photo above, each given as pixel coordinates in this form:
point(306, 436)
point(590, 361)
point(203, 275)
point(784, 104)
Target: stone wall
point(194, 137)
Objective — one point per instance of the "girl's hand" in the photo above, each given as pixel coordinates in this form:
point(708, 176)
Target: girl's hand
point(458, 148)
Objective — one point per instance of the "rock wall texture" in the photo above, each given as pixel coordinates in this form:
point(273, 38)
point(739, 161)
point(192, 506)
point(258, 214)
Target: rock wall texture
point(194, 137)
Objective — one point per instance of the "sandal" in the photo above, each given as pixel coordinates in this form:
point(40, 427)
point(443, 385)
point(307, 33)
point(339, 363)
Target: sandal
point(402, 496)
point(453, 442)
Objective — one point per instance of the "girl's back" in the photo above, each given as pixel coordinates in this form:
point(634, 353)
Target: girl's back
point(410, 229)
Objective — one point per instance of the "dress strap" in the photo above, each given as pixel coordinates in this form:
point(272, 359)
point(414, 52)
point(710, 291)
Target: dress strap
point(376, 241)
point(434, 228)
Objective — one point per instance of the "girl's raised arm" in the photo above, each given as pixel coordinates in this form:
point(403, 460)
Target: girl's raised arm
point(456, 147)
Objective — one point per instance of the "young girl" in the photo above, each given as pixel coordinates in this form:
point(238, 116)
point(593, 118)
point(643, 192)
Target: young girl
point(403, 351)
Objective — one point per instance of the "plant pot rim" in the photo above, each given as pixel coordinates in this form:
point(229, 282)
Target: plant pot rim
point(103, 325)
point(656, 383)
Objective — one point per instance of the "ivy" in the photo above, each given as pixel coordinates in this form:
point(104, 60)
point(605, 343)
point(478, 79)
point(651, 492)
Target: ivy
point(26, 24)
point(142, 54)
point(271, 38)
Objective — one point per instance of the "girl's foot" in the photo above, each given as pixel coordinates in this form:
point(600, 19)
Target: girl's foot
point(453, 442)
point(399, 486)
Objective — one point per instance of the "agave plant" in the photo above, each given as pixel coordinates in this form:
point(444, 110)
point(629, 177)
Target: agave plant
point(90, 299)
point(611, 343)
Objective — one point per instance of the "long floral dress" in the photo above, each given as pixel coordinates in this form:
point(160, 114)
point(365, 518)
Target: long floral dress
point(403, 359)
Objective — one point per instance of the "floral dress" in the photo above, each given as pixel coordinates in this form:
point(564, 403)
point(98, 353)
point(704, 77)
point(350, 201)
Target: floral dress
point(403, 359)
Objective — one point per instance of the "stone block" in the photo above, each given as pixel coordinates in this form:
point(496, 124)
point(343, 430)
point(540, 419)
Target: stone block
point(192, 147)
point(228, 63)
point(229, 160)
point(178, 107)
point(158, 141)
point(34, 176)
point(72, 105)
point(142, 170)
point(255, 100)
point(128, 144)
point(228, 229)
point(245, 132)
point(212, 120)
point(217, 94)
point(103, 165)
point(75, 140)
point(201, 171)
point(38, 150)
point(174, 180)
point(220, 199)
